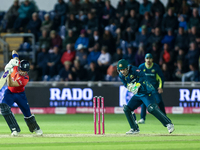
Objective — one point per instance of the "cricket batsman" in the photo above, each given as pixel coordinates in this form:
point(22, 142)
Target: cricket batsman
point(135, 81)
point(15, 93)
point(155, 76)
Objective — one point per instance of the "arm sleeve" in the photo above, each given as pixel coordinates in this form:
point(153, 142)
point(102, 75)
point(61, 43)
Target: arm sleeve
point(160, 77)
point(123, 81)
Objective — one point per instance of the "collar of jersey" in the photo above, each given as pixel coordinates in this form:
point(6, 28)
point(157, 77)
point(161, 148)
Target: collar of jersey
point(149, 67)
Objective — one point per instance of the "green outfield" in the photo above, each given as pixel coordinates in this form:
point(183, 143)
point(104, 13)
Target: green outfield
point(65, 132)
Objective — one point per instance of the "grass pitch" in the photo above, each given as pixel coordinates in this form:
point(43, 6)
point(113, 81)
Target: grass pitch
point(66, 132)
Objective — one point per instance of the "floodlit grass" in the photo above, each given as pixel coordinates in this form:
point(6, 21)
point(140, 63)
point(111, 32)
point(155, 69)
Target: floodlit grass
point(65, 132)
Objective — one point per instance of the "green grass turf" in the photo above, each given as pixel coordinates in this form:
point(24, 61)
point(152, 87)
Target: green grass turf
point(65, 132)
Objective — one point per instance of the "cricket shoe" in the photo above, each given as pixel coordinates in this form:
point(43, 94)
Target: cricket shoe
point(14, 133)
point(131, 131)
point(170, 127)
point(141, 121)
point(38, 132)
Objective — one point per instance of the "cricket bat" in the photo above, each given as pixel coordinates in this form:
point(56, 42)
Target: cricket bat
point(4, 78)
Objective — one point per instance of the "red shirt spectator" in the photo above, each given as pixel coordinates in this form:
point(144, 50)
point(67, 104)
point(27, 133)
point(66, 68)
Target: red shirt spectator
point(69, 55)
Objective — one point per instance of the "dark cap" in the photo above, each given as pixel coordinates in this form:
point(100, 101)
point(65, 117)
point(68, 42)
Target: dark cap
point(148, 55)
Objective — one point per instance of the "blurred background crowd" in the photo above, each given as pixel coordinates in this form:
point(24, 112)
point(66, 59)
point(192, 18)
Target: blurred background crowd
point(83, 40)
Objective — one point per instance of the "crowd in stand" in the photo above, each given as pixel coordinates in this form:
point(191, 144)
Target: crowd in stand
point(83, 40)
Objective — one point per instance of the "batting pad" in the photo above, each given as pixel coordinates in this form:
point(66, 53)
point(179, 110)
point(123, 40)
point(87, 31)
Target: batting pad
point(31, 123)
point(154, 110)
point(9, 117)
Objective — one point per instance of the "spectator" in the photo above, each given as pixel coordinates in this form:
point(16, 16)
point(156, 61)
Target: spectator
point(146, 21)
point(65, 73)
point(98, 7)
point(44, 40)
point(74, 7)
point(94, 54)
point(73, 24)
point(182, 22)
point(11, 15)
point(169, 21)
point(194, 20)
point(166, 56)
point(33, 73)
point(25, 11)
point(145, 7)
point(42, 59)
point(104, 60)
point(70, 38)
point(121, 6)
point(55, 39)
point(108, 13)
point(46, 24)
point(181, 39)
point(112, 74)
point(82, 18)
point(155, 51)
point(156, 37)
point(130, 56)
point(132, 25)
point(169, 38)
point(181, 57)
point(178, 71)
point(198, 41)
point(92, 23)
point(53, 64)
point(193, 34)
point(82, 39)
point(166, 72)
point(81, 55)
point(68, 55)
point(156, 21)
point(78, 72)
point(139, 57)
point(60, 12)
point(34, 25)
point(117, 56)
point(192, 57)
point(184, 9)
point(95, 38)
point(121, 24)
point(142, 37)
point(93, 73)
point(157, 6)
point(108, 41)
point(132, 5)
point(192, 75)
point(86, 6)
point(174, 5)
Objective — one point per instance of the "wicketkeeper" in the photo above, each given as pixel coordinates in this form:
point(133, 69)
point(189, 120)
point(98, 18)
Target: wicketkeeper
point(15, 93)
point(135, 81)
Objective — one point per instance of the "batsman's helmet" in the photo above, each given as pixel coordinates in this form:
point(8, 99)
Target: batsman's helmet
point(122, 64)
point(24, 65)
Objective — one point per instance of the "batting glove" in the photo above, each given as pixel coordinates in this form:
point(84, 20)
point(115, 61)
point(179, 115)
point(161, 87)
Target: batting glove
point(14, 62)
point(9, 68)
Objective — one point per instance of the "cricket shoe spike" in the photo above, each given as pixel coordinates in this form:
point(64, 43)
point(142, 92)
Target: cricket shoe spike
point(39, 132)
point(170, 127)
point(131, 131)
point(14, 133)
point(141, 121)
